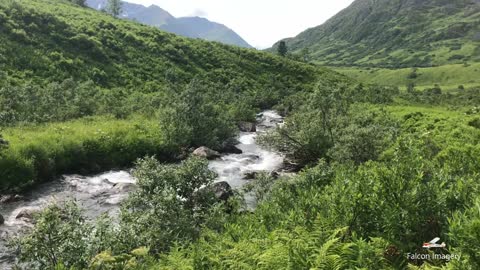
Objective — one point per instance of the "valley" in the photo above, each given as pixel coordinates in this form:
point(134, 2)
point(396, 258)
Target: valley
point(349, 146)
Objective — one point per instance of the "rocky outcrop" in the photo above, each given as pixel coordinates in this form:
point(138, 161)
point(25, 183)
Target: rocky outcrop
point(229, 147)
point(10, 198)
point(26, 214)
point(247, 126)
point(206, 152)
point(223, 191)
point(290, 166)
point(123, 187)
point(254, 175)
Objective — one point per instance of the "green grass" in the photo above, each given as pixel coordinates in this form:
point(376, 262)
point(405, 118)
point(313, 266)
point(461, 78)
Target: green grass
point(447, 76)
point(447, 127)
point(39, 153)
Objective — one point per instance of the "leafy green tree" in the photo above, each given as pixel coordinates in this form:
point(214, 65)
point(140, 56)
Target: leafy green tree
point(59, 237)
point(168, 206)
point(308, 134)
point(114, 7)
point(362, 135)
point(194, 120)
point(282, 49)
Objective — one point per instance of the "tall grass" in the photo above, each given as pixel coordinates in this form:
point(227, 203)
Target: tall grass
point(40, 153)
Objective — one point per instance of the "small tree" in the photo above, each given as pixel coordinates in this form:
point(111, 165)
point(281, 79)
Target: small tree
point(305, 55)
point(114, 7)
point(282, 48)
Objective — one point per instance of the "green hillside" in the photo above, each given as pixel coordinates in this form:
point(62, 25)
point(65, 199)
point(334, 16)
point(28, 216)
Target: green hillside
point(395, 34)
point(46, 41)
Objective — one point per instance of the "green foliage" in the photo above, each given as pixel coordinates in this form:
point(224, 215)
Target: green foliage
point(194, 121)
point(362, 135)
point(168, 206)
point(464, 230)
point(58, 238)
point(81, 3)
point(326, 121)
point(282, 49)
point(128, 261)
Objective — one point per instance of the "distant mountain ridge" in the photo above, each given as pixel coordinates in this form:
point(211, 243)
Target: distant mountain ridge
point(193, 27)
point(395, 33)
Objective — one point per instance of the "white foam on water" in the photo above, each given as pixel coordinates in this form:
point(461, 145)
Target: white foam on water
point(232, 168)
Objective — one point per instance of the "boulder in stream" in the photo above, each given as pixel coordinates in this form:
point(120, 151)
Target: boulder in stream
point(247, 126)
point(254, 174)
point(26, 214)
point(124, 187)
point(223, 191)
point(2, 220)
point(290, 166)
point(206, 152)
point(230, 147)
point(10, 198)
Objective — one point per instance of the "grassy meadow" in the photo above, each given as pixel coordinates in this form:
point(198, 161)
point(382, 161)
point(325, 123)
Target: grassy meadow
point(448, 77)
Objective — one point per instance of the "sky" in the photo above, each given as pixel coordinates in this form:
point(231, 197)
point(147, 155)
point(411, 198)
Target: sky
point(260, 22)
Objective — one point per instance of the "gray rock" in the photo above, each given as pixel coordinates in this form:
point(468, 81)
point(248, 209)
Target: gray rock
point(231, 149)
point(247, 126)
point(206, 152)
point(253, 175)
point(223, 191)
point(229, 146)
point(2, 220)
point(124, 187)
point(250, 175)
point(10, 198)
point(26, 214)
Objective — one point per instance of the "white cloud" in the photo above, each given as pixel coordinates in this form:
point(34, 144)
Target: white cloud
point(199, 13)
point(260, 22)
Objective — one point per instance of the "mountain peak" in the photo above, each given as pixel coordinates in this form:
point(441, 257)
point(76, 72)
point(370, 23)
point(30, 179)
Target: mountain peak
point(193, 27)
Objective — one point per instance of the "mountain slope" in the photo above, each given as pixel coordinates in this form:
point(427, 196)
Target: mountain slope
point(193, 27)
point(46, 41)
point(196, 27)
point(395, 33)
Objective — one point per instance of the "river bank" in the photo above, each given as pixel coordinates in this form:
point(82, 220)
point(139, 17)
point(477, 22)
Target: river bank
point(104, 192)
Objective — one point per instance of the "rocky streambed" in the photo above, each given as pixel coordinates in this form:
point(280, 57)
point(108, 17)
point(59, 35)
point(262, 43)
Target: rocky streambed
point(103, 193)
